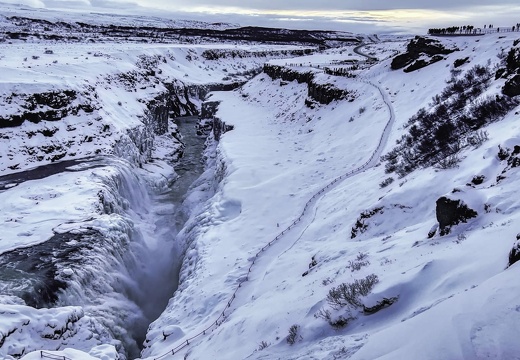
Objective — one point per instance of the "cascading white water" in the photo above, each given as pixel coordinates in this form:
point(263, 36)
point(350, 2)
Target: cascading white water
point(120, 265)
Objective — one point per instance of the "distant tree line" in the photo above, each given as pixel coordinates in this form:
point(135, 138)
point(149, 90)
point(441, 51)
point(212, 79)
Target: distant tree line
point(470, 30)
point(466, 29)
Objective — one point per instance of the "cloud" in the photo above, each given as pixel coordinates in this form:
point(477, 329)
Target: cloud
point(31, 3)
point(332, 5)
point(411, 16)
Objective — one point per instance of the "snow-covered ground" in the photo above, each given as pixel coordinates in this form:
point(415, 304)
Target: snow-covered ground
point(456, 299)
point(290, 188)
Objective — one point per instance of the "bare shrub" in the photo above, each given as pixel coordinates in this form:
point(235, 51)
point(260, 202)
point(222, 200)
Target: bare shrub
point(449, 162)
point(386, 182)
point(349, 293)
point(339, 322)
point(262, 345)
point(460, 238)
point(361, 256)
point(478, 138)
point(323, 314)
point(361, 261)
point(293, 334)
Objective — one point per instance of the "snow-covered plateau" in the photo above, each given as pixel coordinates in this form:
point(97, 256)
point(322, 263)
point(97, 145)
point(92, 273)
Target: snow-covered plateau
point(355, 199)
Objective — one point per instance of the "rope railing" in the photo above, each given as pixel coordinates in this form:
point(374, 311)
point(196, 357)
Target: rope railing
point(44, 354)
point(220, 319)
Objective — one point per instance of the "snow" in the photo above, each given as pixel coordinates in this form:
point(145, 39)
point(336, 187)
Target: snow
point(452, 290)
point(268, 206)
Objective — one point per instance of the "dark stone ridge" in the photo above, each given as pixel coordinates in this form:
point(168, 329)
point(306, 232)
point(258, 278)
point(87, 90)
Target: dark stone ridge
point(321, 93)
point(417, 47)
point(29, 28)
point(452, 212)
point(50, 106)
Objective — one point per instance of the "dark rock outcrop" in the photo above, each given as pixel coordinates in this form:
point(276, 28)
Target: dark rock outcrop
point(321, 93)
point(386, 302)
point(220, 127)
point(209, 109)
point(452, 212)
point(460, 62)
point(478, 179)
point(49, 106)
point(511, 72)
point(512, 86)
point(420, 47)
point(514, 254)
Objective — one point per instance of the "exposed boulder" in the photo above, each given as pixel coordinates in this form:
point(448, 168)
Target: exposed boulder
point(386, 302)
point(512, 86)
point(478, 179)
point(452, 212)
point(420, 52)
point(512, 158)
point(460, 62)
point(514, 254)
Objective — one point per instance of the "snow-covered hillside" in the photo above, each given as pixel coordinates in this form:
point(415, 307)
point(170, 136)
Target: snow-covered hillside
point(263, 277)
point(324, 224)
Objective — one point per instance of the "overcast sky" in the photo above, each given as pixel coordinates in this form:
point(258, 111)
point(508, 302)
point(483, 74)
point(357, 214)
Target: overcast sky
point(363, 16)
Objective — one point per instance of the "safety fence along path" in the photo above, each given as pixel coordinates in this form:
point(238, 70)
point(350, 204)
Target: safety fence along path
point(45, 354)
point(371, 162)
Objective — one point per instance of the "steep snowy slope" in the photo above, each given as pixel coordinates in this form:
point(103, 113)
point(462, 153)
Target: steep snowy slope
point(361, 273)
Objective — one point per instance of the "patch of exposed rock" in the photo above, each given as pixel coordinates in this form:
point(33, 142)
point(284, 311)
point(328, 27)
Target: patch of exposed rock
point(321, 93)
point(452, 212)
point(421, 52)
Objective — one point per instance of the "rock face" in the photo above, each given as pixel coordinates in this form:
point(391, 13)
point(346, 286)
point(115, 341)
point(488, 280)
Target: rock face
point(220, 127)
point(322, 93)
point(209, 109)
point(512, 86)
point(49, 106)
point(452, 212)
point(417, 53)
point(514, 254)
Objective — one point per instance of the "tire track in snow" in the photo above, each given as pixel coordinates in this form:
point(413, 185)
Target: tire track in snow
point(370, 163)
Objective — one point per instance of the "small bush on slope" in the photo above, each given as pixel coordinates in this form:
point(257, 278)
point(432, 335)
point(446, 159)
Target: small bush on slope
point(293, 334)
point(349, 293)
